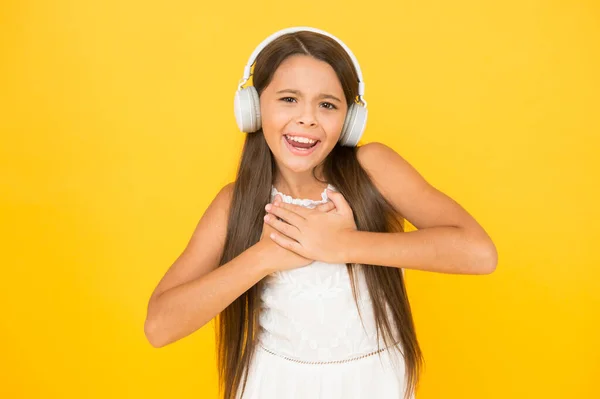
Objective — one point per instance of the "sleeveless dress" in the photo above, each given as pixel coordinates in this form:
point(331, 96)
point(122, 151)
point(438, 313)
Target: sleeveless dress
point(312, 343)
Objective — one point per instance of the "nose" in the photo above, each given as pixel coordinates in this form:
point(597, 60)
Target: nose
point(307, 117)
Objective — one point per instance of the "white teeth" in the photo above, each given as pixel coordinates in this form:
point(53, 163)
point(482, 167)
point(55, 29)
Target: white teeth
point(301, 139)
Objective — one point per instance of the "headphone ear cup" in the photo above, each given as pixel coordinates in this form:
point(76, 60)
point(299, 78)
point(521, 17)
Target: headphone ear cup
point(354, 125)
point(246, 106)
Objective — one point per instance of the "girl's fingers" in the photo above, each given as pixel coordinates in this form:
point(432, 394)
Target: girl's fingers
point(326, 207)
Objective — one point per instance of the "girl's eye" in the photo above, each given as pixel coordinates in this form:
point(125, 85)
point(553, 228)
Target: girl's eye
point(327, 105)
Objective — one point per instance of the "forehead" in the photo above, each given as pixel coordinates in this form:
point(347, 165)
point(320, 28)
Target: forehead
point(306, 73)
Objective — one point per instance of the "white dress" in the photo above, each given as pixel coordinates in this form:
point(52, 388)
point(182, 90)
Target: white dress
point(312, 343)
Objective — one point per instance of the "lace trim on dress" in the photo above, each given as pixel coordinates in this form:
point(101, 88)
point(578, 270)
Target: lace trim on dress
point(305, 202)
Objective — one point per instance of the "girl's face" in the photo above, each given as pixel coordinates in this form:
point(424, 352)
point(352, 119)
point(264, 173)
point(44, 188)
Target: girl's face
point(303, 110)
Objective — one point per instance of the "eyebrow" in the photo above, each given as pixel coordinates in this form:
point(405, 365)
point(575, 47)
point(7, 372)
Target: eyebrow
point(322, 95)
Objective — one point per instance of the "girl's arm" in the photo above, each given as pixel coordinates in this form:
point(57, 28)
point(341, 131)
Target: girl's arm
point(448, 239)
point(195, 289)
point(442, 249)
point(181, 310)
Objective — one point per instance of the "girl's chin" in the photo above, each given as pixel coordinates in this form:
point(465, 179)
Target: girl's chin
point(296, 164)
point(299, 166)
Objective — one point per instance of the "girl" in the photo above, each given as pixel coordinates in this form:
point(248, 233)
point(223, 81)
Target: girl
point(302, 257)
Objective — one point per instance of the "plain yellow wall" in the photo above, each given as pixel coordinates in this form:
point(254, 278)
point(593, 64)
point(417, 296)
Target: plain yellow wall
point(118, 129)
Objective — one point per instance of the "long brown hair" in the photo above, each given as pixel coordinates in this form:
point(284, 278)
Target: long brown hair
point(238, 323)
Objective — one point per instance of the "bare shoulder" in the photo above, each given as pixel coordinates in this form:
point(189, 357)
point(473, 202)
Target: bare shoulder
point(389, 171)
point(213, 222)
point(222, 200)
point(205, 247)
point(409, 192)
point(214, 219)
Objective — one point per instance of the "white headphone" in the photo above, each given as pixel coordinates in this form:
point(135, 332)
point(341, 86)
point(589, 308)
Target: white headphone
point(247, 106)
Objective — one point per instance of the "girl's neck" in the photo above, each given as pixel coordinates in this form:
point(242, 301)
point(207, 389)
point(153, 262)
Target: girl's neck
point(298, 186)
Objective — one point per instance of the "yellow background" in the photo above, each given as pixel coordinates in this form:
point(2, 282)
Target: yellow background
point(118, 129)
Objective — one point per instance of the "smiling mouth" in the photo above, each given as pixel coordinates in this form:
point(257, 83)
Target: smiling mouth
point(303, 145)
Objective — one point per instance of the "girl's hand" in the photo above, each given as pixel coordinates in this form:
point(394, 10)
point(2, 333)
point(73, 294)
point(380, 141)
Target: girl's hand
point(281, 258)
point(313, 233)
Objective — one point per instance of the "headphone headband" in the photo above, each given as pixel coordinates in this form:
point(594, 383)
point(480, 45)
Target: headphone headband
point(264, 43)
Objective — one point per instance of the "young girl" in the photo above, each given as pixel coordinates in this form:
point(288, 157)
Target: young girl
point(302, 257)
